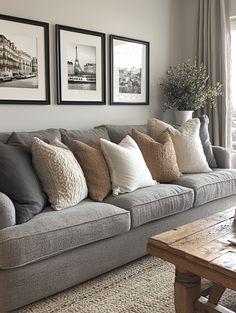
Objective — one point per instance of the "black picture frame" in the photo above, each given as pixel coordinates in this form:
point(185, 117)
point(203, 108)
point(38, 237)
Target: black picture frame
point(24, 61)
point(129, 83)
point(77, 83)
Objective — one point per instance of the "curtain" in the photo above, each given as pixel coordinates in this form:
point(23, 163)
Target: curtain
point(213, 50)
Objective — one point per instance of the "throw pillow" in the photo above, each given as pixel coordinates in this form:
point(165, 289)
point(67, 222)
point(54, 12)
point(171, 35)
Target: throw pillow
point(187, 144)
point(206, 143)
point(85, 136)
point(118, 132)
point(127, 167)
point(20, 183)
point(95, 168)
point(61, 175)
point(159, 155)
point(25, 138)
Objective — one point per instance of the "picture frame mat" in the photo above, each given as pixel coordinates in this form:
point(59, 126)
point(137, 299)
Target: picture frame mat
point(132, 48)
point(68, 37)
point(26, 30)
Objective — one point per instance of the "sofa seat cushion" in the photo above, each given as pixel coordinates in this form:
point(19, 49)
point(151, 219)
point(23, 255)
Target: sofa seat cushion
point(154, 202)
point(211, 186)
point(53, 232)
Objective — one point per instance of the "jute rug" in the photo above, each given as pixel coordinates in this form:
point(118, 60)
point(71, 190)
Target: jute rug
point(143, 286)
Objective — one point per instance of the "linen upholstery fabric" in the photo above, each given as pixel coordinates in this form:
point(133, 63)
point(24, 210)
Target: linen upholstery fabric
point(85, 136)
point(155, 202)
point(205, 139)
point(54, 232)
point(119, 132)
point(61, 175)
point(7, 211)
point(212, 186)
point(95, 168)
point(93, 259)
point(20, 183)
point(187, 144)
point(25, 138)
point(159, 155)
point(127, 167)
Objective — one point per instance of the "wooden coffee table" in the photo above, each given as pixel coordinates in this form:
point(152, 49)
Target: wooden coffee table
point(199, 251)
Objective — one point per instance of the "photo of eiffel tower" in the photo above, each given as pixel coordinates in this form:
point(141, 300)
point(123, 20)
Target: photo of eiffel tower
point(77, 68)
point(82, 72)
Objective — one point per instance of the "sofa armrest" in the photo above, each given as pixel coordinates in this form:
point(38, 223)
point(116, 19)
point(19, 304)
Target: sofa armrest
point(222, 156)
point(7, 211)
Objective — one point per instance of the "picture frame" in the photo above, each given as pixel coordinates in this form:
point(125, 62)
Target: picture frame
point(24, 61)
point(129, 71)
point(81, 66)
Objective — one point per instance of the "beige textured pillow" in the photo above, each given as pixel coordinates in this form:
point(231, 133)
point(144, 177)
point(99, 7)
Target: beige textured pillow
point(61, 175)
point(159, 155)
point(95, 169)
point(187, 143)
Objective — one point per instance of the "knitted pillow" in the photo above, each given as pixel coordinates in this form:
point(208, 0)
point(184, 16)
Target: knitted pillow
point(61, 175)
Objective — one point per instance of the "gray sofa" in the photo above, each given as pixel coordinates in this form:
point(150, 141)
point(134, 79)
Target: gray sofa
point(59, 249)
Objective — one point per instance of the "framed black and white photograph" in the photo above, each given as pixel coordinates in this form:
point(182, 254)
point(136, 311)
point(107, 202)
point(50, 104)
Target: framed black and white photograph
point(24, 61)
point(129, 71)
point(80, 66)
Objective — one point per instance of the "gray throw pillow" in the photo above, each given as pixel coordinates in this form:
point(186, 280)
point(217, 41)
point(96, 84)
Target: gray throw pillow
point(20, 183)
point(119, 132)
point(206, 143)
point(25, 138)
point(86, 136)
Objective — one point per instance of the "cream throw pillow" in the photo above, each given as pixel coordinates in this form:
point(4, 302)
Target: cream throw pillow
point(187, 144)
point(61, 175)
point(127, 167)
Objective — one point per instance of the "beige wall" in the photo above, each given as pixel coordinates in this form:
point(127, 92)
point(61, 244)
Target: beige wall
point(156, 21)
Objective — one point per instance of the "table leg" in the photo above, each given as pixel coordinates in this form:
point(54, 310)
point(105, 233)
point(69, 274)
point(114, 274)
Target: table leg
point(187, 290)
point(216, 293)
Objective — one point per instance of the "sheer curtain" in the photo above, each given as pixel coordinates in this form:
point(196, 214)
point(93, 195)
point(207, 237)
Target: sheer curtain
point(213, 49)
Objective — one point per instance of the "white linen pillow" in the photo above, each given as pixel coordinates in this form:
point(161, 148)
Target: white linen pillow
point(187, 144)
point(126, 164)
point(61, 175)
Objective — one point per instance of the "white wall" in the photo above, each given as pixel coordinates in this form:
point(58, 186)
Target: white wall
point(156, 21)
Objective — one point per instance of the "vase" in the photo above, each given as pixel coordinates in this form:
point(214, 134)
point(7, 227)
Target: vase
point(182, 116)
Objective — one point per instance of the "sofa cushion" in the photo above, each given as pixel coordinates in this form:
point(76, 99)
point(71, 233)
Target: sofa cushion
point(187, 143)
point(4, 136)
point(155, 202)
point(126, 164)
point(25, 138)
point(85, 136)
point(217, 184)
point(159, 155)
point(205, 139)
point(119, 132)
point(53, 232)
point(95, 169)
point(20, 183)
point(61, 175)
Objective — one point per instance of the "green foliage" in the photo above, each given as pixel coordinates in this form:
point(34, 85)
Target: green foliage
point(186, 87)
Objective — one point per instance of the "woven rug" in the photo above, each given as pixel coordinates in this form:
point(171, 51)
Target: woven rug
point(143, 286)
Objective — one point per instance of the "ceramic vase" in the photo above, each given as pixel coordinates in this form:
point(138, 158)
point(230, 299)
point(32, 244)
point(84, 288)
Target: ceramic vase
point(182, 116)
